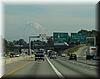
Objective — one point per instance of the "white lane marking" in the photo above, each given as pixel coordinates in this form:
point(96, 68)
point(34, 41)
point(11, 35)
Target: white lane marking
point(56, 71)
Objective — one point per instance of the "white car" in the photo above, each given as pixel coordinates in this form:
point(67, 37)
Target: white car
point(17, 55)
point(63, 55)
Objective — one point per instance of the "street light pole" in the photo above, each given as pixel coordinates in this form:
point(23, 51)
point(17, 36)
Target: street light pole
point(29, 46)
point(30, 42)
point(94, 41)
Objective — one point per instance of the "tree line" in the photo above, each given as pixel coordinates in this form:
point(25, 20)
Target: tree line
point(9, 44)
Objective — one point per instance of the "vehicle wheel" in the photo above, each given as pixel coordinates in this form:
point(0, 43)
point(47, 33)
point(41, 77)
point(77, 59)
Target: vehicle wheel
point(87, 57)
point(35, 59)
point(75, 59)
point(94, 57)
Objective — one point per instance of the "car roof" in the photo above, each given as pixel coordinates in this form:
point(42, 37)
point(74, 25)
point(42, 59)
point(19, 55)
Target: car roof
point(73, 54)
point(39, 52)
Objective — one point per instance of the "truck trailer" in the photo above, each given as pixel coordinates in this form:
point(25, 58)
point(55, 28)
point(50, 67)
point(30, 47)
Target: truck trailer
point(91, 52)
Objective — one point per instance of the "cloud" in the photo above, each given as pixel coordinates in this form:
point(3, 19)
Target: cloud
point(38, 26)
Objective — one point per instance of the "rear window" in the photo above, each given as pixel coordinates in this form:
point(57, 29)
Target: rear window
point(39, 53)
point(93, 48)
point(73, 54)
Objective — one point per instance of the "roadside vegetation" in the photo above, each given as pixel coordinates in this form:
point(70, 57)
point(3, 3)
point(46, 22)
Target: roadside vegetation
point(72, 49)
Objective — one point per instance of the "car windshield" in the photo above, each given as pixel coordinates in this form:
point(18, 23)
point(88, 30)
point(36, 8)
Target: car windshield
point(39, 52)
point(73, 54)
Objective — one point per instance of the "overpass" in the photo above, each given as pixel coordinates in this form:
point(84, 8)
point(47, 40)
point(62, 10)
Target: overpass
point(46, 47)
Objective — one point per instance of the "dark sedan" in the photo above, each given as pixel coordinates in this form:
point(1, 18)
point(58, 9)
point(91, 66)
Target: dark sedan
point(73, 57)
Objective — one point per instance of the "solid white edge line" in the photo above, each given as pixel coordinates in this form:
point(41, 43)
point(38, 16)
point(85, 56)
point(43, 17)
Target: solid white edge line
point(56, 71)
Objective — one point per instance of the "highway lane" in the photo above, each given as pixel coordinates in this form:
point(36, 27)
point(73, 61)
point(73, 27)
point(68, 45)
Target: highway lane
point(37, 68)
point(83, 62)
point(78, 69)
point(29, 67)
point(11, 66)
point(33, 69)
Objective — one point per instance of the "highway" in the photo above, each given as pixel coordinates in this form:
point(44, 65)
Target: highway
point(57, 68)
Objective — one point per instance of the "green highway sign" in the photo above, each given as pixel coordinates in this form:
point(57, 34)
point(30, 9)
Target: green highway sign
point(75, 37)
point(60, 37)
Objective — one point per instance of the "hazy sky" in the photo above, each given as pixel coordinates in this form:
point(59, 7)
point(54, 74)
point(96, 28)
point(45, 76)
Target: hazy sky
point(21, 21)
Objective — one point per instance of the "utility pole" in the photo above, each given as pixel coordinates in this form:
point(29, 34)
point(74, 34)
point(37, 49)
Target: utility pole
point(93, 38)
point(29, 45)
point(94, 41)
point(30, 42)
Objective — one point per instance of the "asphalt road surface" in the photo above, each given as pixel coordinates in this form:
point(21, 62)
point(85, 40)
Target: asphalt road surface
point(58, 68)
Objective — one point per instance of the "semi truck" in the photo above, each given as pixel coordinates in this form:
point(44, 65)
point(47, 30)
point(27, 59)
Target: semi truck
point(91, 52)
point(39, 55)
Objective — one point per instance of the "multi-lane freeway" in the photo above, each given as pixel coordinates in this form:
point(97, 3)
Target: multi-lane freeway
point(57, 68)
